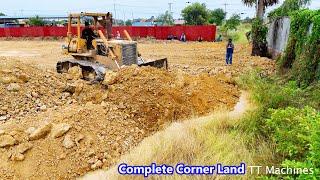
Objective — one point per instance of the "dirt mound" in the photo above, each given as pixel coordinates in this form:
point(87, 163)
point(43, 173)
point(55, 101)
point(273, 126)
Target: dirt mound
point(161, 96)
point(69, 139)
point(26, 90)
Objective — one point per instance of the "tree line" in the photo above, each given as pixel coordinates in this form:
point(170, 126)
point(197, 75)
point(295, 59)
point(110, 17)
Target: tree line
point(195, 14)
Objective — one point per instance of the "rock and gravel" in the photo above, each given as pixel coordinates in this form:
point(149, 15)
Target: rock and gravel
point(104, 124)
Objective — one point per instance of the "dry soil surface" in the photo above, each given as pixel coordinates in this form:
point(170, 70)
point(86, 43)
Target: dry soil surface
point(191, 57)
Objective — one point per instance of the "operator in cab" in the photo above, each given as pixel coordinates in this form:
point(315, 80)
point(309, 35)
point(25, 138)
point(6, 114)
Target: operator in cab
point(88, 35)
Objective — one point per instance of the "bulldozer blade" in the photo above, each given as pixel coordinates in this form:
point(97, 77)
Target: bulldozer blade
point(160, 63)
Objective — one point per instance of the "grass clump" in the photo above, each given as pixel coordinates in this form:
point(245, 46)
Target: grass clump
point(288, 118)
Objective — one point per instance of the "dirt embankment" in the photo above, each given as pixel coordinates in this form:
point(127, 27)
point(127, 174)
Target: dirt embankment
point(26, 90)
point(56, 126)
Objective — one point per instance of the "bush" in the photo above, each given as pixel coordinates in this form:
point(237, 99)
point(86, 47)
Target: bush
point(296, 135)
point(36, 21)
point(267, 93)
point(302, 54)
point(259, 38)
point(288, 118)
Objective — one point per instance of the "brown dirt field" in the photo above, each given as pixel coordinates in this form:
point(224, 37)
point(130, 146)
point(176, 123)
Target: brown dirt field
point(103, 123)
point(191, 57)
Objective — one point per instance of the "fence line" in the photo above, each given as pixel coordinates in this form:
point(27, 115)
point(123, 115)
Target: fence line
point(208, 32)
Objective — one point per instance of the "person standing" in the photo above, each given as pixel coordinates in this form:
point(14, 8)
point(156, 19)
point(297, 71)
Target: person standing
point(219, 39)
point(106, 22)
point(88, 35)
point(118, 37)
point(183, 37)
point(230, 48)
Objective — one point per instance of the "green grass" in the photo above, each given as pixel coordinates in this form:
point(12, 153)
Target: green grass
point(238, 36)
point(288, 118)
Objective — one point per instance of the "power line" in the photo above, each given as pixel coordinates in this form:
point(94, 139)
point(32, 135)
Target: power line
point(225, 7)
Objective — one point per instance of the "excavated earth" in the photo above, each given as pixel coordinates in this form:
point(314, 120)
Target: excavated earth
point(57, 126)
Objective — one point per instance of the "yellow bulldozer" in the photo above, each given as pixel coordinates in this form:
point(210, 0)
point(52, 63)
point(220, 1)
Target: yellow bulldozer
point(101, 53)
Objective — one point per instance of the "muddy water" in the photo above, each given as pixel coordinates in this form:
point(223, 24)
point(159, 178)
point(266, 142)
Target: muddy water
point(241, 107)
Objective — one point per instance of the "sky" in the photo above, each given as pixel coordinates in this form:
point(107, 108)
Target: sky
point(122, 9)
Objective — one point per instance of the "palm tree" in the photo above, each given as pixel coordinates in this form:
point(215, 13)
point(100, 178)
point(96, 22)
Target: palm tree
point(259, 45)
point(260, 5)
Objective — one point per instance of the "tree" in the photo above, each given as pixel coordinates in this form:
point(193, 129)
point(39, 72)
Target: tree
point(36, 21)
point(261, 5)
point(287, 7)
point(195, 14)
point(120, 22)
point(2, 14)
point(292, 5)
point(165, 19)
point(217, 16)
point(128, 22)
point(259, 45)
point(233, 22)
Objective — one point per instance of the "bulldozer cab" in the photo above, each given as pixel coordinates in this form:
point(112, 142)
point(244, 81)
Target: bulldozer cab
point(77, 44)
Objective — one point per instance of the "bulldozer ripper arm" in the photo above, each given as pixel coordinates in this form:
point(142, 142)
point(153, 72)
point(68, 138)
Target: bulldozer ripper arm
point(110, 50)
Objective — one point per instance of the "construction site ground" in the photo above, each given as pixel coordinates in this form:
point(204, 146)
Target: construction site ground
point(57, 126)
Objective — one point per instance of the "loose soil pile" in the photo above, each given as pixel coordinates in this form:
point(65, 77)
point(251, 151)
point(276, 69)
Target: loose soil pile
point(57, 126)
point(27, 90)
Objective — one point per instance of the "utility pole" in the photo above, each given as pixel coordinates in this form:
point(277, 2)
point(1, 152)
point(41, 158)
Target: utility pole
point(115, 12)
point(170, 11)
point(124, 17)
point(170, 8)
point(225, 7)
point(132, 17)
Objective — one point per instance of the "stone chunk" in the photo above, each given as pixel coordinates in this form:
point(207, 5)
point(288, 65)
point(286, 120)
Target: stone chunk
point(23, 77)
point(6, 140)
point(97, 165)
point(13, 87)
point(68, 142)
point(60, 129)
point(17, 157)
point(24, 147)
point(30, 130)
point(41, 132)
point(34, 94)
point(109, 78)
point(3, 118)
